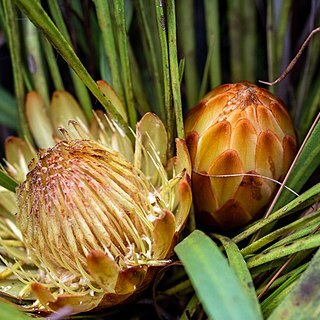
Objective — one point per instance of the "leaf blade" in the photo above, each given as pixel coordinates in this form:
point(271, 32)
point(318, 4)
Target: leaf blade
point(238, 264)
point(214, 281)
point(303, 301)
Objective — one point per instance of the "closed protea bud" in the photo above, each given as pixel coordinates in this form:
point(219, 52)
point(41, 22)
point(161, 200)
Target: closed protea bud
point(240, 138)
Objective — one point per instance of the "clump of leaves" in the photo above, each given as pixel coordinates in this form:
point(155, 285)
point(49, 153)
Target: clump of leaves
point(147, 51)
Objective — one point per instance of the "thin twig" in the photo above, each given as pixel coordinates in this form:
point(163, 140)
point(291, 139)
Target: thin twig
point(274, 278)
point(294, 60)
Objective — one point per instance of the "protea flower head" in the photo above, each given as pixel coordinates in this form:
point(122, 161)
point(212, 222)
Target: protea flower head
point(92, 225)
point(241, 141)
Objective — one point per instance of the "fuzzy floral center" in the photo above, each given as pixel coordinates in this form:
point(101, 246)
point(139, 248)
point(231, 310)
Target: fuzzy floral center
point(81, 197)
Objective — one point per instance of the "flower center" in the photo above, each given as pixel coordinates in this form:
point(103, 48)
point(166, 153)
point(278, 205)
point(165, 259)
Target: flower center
point(80, 197)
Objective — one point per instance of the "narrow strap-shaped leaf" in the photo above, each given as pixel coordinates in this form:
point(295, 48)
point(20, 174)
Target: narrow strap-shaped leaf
point(8, 311)
point(217, 287)
point(306, 164)
point(7, 182)
point(105, 23)
point(35, 60)
point(304, 222)
point(16, 60)
point(308, 242)
point(124, 61)
point(162, 34)
point(52, 64)
point(8, 109)
point(187, 44)
point(238, 264)
point(242, 40)
point(174, 68)
point(150, 46)
point(39, 17)
point(213, 40)
point(190, 309)
point(303, 301)
point(138, 85)
point(303, 201)
point(270, 43)
point(79, 87)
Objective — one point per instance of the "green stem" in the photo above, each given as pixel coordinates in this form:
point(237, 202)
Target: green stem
point(7, 182)
point(52, 64)
point(282, 29)
point(275, 298)
point(79, 86)
point(36, 65)
point(39, 17)
point(248, 42)
point(138, 86)
point(105, 23)
point(165, 71)
point(213, 40)
point(309, 242)
point(283, 278)
point(270, 44)
point(187, 42)
point(271, 237)
point(204, 81)
point(234, 23)
point(124, 60)
point(241, 20)
point(182, 286)
point(154, 65)
point(15, 53)
point(191, 308)
point(174, 68)
point(299, 203)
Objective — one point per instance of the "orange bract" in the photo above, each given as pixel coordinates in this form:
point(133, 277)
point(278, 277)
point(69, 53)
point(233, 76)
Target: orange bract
point(244, 131)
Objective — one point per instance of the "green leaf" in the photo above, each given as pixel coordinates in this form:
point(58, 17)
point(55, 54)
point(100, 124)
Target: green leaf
point(122, 38)
point(188, 48)
point(217, 287)
point(307, 163)
point(309, 242)
point(79, 86)
point(174, 68)
point(9, 312)
point(162, 34)
point(109, 45)
point(8, 109)
point(150, 47)
point(239, 266)
point(303, 301)
point(212, 17)
point(7, 182)
point(35, 56)
point(14, 42)
point(305, 200)
point(40, 18)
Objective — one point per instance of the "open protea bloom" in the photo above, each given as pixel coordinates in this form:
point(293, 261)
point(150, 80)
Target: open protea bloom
point(240, 138)
point(92, 225)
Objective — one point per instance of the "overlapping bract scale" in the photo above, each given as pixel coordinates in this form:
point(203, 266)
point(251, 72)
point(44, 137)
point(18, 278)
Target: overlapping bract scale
point(240, 138)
